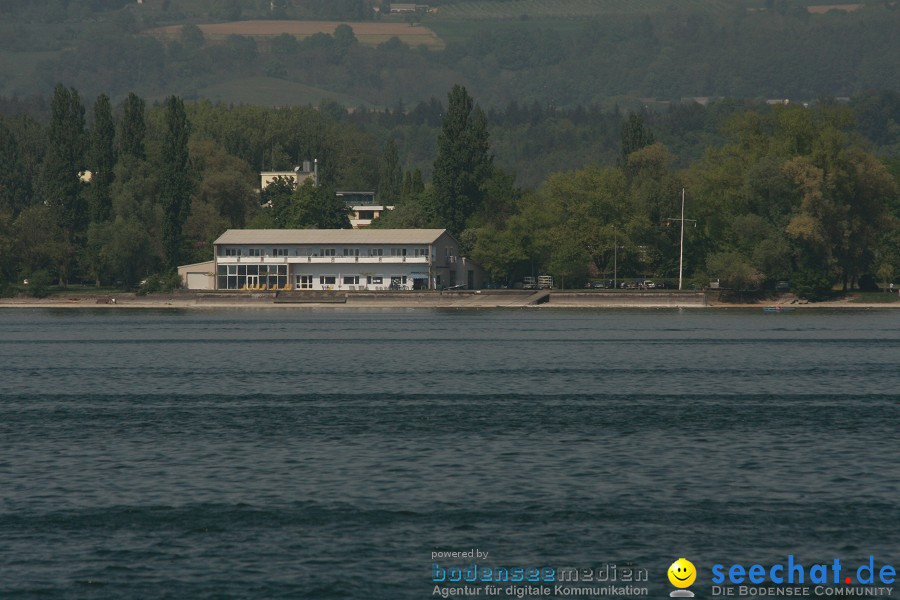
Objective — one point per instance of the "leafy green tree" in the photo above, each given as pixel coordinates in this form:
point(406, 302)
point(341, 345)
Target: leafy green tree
point(344, 40)
point(498, 251)
point(463, 161)
point(634, 136)
point(175, 176)
point(226, 182)
point(278, 198)
point(317, 207)
point(128, 252)
point(285, 45)
point(39, 242)
point(569, 260)
point(734, 271)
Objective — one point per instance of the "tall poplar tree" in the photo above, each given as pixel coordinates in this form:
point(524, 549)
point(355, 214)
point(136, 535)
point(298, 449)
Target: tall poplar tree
point(102, 159)
point(60, 184)
point(132, 128)
point(175, 183)
point(463, 163)
point(390, 178)
point(634, 136)
point(13, 184)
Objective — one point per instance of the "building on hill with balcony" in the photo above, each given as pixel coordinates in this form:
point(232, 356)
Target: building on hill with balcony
point(362, 206)
point(308, 171)
point(334, 259)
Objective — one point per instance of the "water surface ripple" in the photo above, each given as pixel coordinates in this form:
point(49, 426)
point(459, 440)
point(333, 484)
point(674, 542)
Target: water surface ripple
point(327, 453)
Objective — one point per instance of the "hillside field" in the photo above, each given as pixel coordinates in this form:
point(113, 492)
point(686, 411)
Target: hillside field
point(370, 34)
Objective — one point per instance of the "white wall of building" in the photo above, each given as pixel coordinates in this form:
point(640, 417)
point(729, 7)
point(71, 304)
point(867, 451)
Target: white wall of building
point(334, 264)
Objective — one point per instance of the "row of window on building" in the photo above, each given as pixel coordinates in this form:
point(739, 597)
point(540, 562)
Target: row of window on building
point(275, 277)
point(226, 251)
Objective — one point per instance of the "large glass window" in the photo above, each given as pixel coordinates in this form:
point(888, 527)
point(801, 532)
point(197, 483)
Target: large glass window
point(351, 251)
point(351, 279)
point(328, 252)
point(273, 276)
point(254, 277)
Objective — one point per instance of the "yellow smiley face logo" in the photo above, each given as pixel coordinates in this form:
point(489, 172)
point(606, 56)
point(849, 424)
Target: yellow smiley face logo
point(682, 573)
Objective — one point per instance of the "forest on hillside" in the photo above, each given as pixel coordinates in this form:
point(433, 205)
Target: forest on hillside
point(788, 192)
point(712, 49)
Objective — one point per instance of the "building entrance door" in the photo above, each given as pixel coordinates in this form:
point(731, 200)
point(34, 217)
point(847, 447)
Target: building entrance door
point(252, 282)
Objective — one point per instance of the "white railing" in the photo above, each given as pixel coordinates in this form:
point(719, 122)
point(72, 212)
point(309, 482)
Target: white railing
point(359, 259)
point(277, 260)
point(253, 260)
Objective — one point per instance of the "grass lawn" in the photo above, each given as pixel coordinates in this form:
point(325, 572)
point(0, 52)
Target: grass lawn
point(874, 297)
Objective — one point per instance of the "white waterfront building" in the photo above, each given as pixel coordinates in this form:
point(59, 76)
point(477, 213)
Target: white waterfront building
point(333, 259)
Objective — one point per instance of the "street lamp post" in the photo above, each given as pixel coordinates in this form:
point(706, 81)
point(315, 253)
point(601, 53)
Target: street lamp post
point(616, 258)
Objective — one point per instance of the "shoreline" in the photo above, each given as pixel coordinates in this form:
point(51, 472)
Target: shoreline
point(452, 300)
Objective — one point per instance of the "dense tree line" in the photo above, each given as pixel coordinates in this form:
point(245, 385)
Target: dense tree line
point(132, 190)
point(792, 194)
point(117, 192)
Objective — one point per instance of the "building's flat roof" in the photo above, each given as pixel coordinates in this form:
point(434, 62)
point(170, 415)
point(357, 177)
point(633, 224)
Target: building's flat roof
point(330, 236)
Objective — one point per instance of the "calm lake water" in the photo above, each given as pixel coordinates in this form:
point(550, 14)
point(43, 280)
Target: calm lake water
point(328, 453)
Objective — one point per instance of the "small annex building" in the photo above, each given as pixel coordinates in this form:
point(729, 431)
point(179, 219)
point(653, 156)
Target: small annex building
point(335, 259)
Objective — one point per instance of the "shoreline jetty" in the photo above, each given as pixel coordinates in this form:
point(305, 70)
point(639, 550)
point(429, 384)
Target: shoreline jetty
point(402, 299)
point(368, 299)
